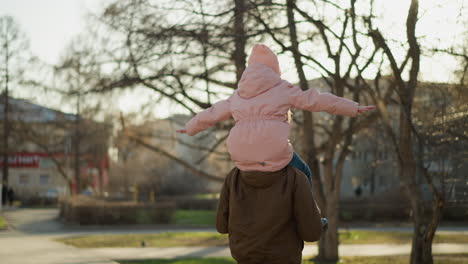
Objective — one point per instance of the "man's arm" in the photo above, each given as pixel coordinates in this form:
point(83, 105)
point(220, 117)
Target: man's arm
point(306, 211)
point(222, 213)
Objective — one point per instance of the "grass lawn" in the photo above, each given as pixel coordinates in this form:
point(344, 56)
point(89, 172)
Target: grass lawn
point(3, 223)
point(152, 240)
point(215, 239)
point(206, 196)
point(439, 259)
point(183, 261)
point(207, 218)
point(373, 237)
point(194, 217)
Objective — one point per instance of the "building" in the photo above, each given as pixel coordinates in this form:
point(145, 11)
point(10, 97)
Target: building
point(154, 171)
point(41, 156)
point(440, 114)
point(370, 170)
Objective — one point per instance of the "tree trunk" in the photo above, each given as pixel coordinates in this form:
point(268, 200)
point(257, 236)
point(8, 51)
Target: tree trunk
point(417, 244)
point(437, 208)
point(311, 158)
point(240, 38)
point(6, 123)
point(76, 163)
point(421, 247)
point(411, 187)
point(6, 135)
point(100, 176)
point(308, 128)
point(328, 243)
point(372, 181)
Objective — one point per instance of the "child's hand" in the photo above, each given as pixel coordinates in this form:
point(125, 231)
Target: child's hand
point(363, 109)
point(181, 131)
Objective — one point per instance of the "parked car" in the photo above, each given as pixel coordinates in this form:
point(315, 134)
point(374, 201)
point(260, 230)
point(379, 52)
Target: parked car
point(51, 194)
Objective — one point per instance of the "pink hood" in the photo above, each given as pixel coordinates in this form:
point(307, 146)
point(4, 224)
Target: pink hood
point(256, 80)
point(261, 74)
point(259, 141)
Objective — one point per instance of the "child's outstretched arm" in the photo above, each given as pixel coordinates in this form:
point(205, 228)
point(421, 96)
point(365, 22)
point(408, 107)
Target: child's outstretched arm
point(314, 101)
point(209, 117)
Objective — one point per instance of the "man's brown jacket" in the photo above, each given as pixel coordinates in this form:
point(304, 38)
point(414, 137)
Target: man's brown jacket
point(268, 215)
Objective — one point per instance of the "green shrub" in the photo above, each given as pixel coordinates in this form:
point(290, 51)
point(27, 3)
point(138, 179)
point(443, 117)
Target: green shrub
point(192, 203)
point(90, 211)
point(3, 223)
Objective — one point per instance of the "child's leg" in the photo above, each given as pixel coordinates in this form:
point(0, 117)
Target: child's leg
point(298, 163)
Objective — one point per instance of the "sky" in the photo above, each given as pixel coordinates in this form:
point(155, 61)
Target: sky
point(51, 24)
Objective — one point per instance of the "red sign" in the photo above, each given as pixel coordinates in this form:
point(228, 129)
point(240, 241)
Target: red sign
point(33, 160)
point(23, 160)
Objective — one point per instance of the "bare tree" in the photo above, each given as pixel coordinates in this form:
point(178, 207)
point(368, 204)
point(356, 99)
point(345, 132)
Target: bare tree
point(192, 61)
point(153, 52)
point(342, 72)
point(408, 139)
point(12, 57)
point(48, 137)
point(198, 57)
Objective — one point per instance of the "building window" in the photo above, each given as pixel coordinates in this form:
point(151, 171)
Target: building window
point(23, 179)
point(383, 181)
point(44, 179)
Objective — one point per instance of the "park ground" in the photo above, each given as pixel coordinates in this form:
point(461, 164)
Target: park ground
point(36, 236)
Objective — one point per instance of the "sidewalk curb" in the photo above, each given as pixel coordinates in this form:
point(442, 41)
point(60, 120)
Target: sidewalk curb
point(365, 250)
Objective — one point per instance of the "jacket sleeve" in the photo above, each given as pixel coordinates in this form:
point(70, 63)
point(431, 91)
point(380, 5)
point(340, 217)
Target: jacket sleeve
point(222, 212)
point(218, 112)
point(306, 211)
point(314, 101)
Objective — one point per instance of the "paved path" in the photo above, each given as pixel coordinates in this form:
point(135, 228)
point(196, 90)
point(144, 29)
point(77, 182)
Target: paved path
point(309, 251)
point(44, 221)
point(31, 240)
point(23, 249)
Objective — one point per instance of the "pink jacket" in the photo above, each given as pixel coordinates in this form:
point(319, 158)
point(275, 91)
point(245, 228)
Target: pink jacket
point(259, 141)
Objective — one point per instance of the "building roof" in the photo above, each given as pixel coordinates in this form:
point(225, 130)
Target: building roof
point(26, 111)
